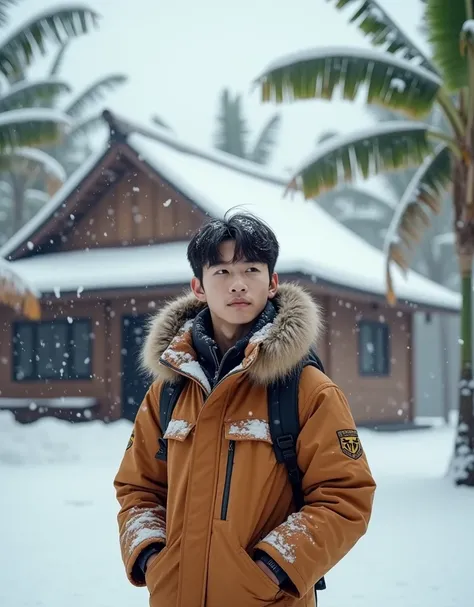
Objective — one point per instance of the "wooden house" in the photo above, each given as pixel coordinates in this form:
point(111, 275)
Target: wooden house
point(110, 247)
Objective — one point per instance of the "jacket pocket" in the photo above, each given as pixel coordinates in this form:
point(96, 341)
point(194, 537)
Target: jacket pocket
point(178, 429)
point(245, 437)
point(234, 579)
point(162, 576)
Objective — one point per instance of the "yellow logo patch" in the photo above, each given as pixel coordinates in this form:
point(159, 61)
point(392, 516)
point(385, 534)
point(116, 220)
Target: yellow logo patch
point(130, 440)
point(350, 443)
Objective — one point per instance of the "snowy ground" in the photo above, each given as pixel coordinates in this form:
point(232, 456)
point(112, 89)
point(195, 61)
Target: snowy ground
point(59, 538)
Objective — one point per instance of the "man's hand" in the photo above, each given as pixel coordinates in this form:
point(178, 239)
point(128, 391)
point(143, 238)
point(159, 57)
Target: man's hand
point(268, 572)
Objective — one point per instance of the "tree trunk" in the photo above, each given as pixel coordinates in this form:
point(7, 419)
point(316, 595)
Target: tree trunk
point(18, 201)
point(444, 342)
point(463, 461)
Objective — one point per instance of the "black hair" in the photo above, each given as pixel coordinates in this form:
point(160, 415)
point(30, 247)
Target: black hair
point(254, 240)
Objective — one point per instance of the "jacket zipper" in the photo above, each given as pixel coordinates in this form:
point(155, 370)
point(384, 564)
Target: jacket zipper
point(228, 480)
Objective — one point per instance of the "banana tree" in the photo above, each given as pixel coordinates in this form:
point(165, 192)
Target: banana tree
point(399, 76)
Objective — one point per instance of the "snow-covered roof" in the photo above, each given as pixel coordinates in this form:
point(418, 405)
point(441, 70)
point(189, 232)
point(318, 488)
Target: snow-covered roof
point(110, 268)
point(312, 242)
point(17, 291)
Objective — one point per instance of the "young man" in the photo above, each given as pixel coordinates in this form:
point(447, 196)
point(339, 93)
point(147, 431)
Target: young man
point(214, 524)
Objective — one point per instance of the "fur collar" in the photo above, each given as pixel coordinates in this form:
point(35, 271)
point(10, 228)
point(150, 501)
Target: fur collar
point(296, 328)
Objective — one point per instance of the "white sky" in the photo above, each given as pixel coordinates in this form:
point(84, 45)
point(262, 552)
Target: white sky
point(179, 54)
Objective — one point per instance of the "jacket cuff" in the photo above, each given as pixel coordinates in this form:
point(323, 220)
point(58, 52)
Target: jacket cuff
point(296, 586)
point(134, 573)
point(139, 568)
point(274, 567)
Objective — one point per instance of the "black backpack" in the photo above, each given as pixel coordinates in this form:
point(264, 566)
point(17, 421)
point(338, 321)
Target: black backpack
point(283, 415)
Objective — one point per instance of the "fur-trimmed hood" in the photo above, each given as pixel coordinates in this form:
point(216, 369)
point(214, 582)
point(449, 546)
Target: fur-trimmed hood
point(281, 346)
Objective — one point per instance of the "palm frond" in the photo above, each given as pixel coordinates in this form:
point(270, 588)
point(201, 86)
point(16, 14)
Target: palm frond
point(36, 198)
point(4, 6)
point(29, 127)
point(445, 20)
point(376, 24)
point(30, 40)
point(95, 92)
point(59, 59)
point(36, 156)
point(266, 141)
point(366, 153)
point(30, 94)
point(411, 218)
point(87, 126)
point(325, 135)
point(383, 78)
point(351, 199)
point(161, 123)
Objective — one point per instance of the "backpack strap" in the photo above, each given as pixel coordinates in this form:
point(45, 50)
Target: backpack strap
point(283, 415)
point(170, 392)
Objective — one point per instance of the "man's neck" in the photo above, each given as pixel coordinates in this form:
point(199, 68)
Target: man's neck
point(226, 335)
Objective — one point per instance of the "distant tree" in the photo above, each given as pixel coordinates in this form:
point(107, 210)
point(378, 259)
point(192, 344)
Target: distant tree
point(232, 135)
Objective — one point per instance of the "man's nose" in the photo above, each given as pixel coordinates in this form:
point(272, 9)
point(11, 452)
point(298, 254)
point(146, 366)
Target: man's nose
point(238, 286)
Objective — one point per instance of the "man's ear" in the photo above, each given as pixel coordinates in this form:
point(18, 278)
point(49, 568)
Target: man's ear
point(198, 289)
point(273, 288)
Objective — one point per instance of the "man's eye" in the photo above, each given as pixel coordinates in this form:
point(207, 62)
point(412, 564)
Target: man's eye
point(221, 271)
point(253, 270)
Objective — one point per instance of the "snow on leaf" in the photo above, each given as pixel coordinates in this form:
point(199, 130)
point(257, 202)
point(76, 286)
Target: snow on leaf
point(468, 26)
point(398, 84)
point(34, 115)
point(49, 163)
point(352, 52)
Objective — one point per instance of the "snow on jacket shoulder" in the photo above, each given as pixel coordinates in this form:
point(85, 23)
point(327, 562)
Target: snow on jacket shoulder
point(222, 495)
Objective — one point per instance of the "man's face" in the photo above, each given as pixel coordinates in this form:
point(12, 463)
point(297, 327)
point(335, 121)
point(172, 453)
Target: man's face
point(235, 293)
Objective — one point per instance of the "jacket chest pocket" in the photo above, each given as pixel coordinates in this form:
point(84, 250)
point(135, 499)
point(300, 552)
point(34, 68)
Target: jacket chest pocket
point(249, 457)
point(178, 430)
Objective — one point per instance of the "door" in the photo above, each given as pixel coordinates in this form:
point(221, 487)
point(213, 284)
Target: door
point(134, 382)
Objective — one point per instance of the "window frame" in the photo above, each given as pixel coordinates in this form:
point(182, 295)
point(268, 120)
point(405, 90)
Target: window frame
point(71, 374)
point(375, 326)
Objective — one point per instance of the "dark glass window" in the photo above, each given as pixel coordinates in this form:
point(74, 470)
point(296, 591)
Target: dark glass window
point(374, 348)
point(59, 349)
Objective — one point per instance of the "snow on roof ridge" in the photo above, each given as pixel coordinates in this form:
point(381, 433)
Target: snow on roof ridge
point(163, 135)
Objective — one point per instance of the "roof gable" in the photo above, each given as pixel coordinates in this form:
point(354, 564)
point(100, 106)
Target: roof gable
point(112, 201)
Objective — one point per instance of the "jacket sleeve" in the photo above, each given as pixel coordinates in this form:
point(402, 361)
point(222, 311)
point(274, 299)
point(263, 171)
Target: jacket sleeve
point(141, 488)
point(338, 488)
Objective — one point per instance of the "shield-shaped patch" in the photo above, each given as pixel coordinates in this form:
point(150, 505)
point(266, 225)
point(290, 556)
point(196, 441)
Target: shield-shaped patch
point(350, 443)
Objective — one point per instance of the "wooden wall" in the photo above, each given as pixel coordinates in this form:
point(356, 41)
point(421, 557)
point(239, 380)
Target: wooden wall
point(137, 210)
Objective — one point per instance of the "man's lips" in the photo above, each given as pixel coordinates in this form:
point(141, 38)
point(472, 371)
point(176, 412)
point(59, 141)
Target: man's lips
point(239, 303)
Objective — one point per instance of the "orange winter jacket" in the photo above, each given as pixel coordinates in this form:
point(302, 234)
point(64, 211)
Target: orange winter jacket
point(207, 559)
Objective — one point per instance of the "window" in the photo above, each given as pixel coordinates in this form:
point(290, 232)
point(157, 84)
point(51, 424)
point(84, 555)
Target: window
point(374, 355)
point(54, 350)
